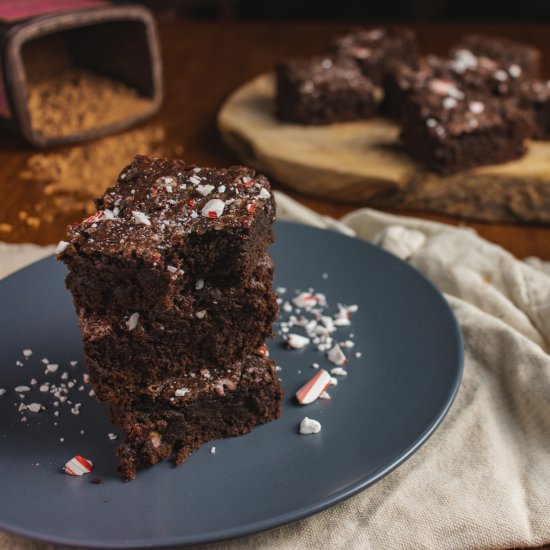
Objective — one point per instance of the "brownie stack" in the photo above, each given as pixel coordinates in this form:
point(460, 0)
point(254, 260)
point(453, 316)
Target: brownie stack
point(173, 287)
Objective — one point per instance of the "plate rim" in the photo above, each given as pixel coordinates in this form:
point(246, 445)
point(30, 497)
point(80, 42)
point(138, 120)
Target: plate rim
point(306, 511)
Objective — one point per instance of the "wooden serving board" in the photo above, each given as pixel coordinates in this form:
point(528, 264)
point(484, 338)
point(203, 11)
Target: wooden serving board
point(361, 162)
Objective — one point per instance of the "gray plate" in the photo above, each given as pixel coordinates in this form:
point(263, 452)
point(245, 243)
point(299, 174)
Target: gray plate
point(389, 404)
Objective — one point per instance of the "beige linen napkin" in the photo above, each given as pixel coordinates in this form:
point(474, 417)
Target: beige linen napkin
point(483, 479)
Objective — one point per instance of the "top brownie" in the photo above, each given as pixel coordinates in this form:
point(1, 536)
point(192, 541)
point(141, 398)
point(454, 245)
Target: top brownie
point(522, 59)
point(165, 224)
point(376, 50)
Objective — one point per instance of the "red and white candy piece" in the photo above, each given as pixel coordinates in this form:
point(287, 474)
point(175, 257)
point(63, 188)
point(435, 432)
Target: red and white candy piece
point(61, 247)
point(336, 355)
point(95, 217)
point(314, 388)
point(78, 466)
point(213, 208)
point(445, 88)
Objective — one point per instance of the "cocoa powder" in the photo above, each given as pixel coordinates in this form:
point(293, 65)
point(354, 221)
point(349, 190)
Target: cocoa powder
point(65, 99)
point(73, 176)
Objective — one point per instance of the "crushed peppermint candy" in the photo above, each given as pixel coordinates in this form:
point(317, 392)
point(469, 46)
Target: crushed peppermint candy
point(3, 391)
point(325, 395)
point(34, 407)
point(132, 321)
point(199, 285)
point(205, 190)
point(195, 180)
point(296, 341)
point(21, 389)
point(61, 247)
point(213, 208)
point(213, 451)
point(200, 314)
point(336, 355)
point(476, 107)
point(338, 371)
point(181, 392)
point(51, 367)
point(514, 71)
point(140, 218)
point(171, 269)
point(112, 436)
point(311, 391)
point(156, 439)
point(78, 465)
point(264, 194)
point(27, 352)
point(309, 426)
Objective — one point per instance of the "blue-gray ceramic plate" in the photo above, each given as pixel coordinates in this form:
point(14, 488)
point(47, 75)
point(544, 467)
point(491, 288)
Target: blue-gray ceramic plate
point(393, 398)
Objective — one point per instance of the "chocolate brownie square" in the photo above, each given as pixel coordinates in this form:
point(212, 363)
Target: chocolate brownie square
point(179, 416)
point(163, 225)
point(521, 59)
point(323, 90)
point(210, 325)
point(536, 96)
point(451, 129)
point(377, 50)
point(463, 69)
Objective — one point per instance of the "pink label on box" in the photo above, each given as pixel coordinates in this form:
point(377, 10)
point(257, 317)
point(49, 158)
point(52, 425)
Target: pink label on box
point(16, 10)
point(5, 110)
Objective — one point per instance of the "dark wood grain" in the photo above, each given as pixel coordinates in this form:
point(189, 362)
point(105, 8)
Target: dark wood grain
point(203, 64)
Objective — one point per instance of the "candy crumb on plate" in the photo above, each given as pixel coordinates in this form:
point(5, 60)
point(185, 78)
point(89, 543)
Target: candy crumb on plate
point(309, 426)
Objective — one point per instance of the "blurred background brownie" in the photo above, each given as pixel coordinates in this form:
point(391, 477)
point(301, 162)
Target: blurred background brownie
point(376, 50)
point(323, 90)
point(450, 129)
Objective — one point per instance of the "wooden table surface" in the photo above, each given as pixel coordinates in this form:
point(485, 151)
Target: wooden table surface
point(203, 64)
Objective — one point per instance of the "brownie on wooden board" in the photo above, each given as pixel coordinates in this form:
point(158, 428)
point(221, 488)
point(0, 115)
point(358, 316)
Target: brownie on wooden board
point(165, 224)
point(323, 90)
point(376, 50)
point(464, 69)
point(536, 97)
point(187, 412)
point(209, 325)
point(450, 129)
point(505, 52)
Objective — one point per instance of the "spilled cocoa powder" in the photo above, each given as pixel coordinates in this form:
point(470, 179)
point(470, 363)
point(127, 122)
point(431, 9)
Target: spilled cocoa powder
point(73, 176)
point(65, 99)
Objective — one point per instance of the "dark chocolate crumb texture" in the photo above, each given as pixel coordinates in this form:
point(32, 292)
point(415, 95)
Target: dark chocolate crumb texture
point(176, 418)
point(164, 224)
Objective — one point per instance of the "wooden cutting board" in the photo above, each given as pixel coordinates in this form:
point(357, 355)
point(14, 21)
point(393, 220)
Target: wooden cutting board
point(361, 162)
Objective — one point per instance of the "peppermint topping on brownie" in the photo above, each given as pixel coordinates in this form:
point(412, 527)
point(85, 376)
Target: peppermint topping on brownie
point(61, 247)
point(213, 208)
point(158, 205)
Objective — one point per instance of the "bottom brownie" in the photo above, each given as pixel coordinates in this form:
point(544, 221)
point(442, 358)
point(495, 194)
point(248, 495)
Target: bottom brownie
point(173, 419)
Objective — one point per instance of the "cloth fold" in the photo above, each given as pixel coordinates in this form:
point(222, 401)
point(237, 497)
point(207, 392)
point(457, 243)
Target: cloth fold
point(483, 479)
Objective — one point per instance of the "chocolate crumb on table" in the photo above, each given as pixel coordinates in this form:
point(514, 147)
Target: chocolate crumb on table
point(376, 50)
point(323, 90)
